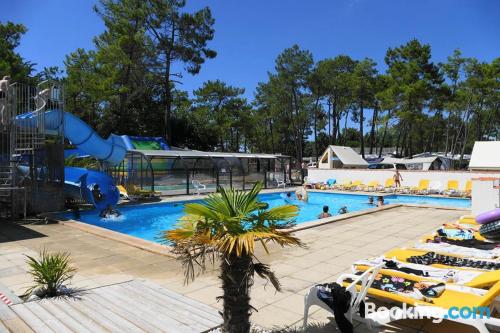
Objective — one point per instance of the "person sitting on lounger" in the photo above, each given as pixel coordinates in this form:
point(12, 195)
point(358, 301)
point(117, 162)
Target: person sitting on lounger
point(380, 201)
point(325, 213)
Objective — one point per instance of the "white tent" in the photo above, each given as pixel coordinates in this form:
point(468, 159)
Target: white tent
point(485, 156)
point(339, 156)
point(420, 163)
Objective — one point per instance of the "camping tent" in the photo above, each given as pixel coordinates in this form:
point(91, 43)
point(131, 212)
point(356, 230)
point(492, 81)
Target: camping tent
point(341, 157)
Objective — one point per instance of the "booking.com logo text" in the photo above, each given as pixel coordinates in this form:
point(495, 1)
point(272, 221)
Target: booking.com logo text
point(437, 315)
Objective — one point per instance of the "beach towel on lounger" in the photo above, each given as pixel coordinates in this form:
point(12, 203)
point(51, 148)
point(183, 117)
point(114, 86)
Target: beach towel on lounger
point(448, 275)
point(472, 243)
point(431, 258)
point(459, 250)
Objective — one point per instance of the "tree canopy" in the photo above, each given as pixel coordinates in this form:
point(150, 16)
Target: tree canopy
point(130, 83)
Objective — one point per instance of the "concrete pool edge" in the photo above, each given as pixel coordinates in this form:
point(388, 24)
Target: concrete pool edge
point(133, 241)
point(166, 250)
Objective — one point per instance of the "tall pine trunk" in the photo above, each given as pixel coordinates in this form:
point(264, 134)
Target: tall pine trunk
point(361, 136)
point(236, 283)
point(372, 131)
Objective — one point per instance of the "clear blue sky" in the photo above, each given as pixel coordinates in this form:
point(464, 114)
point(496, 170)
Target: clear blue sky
point(251, 33)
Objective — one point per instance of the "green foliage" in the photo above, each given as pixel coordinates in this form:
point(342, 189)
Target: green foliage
point(49, 272)
point(85, 162)
point(227, 226)
point(129, 85)
point(11, 63)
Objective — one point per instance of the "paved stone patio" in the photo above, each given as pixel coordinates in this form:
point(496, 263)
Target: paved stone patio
point(330, 251)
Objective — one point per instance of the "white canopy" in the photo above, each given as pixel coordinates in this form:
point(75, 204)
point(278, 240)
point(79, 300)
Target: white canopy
point(345, 155)
point(485, 156)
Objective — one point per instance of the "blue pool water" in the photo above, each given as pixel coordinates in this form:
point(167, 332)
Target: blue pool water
point(148, 221)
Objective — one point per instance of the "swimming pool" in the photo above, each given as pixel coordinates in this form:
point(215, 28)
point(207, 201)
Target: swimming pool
point(148, 221)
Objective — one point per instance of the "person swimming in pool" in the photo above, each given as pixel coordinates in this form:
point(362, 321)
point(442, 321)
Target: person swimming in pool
point(370, 200)
point(109, 212)
point(325, 213)
point(343, 210)
point(380, 201)
point(301, 194)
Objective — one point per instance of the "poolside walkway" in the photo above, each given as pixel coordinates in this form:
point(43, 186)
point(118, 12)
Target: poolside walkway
point(331, 250)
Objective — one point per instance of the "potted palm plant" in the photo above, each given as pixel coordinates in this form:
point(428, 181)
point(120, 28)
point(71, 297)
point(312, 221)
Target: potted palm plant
point(225, 228)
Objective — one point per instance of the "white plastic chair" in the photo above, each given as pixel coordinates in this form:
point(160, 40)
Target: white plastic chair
point(365, 280)
point(198, 186)
point(279, 181)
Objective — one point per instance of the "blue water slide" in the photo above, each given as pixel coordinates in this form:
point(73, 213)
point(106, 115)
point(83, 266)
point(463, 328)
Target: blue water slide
point(79, 183)
point(111, 151)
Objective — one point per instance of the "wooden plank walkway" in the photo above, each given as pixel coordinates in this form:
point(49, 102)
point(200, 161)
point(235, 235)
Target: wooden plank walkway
point(133, 306)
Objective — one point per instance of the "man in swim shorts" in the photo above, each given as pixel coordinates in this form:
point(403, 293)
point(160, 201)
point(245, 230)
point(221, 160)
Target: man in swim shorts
point(397, 178)
point(325, 213)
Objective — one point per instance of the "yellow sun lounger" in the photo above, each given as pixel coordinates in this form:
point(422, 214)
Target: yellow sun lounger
point(484, 280)
point(354, 186)
point(341, 186)
point(372, 186)
point(136, 191)
point(468, 189)
point(123, 191)
point(389, 185)
point(422, 188)
point(450, 297)
point(467, 219)
point(452, 188)
point(453, 296)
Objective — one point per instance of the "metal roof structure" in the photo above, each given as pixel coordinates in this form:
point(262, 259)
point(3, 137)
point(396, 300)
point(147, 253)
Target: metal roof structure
point(196, 153)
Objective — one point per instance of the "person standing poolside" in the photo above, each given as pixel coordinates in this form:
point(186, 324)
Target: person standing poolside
point(325, 213)
point(397, 178)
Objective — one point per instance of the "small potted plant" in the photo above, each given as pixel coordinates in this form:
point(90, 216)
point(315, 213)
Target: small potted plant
point(50, 272)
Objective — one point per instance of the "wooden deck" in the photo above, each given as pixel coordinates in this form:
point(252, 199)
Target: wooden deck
point(133, 306)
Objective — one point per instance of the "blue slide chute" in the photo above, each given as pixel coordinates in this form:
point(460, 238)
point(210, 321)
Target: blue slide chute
point(80, 182)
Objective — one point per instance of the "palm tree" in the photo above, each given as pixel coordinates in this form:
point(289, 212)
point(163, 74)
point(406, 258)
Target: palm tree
point(226, 226)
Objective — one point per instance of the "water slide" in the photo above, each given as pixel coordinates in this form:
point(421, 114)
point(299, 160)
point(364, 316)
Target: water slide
point(80, 181)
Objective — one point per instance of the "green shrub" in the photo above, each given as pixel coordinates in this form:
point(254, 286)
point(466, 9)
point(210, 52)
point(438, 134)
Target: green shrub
point(49, 273)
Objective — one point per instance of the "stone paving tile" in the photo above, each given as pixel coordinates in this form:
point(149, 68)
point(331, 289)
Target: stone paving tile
point(330, 251)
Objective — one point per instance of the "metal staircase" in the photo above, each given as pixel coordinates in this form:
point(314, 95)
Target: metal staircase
point(31, 159)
